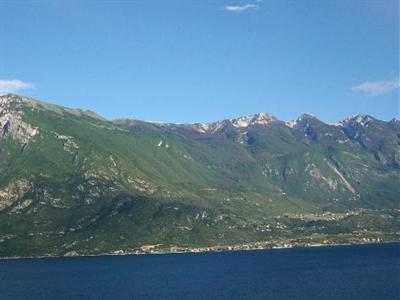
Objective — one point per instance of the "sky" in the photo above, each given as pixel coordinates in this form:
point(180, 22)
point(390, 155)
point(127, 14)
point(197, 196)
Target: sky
point(199, 61)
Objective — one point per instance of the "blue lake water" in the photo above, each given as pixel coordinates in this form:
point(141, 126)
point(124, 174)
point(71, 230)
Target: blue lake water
point(340, 272)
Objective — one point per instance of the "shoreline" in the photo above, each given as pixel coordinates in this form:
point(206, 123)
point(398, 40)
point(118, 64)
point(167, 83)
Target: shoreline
point(197, 251)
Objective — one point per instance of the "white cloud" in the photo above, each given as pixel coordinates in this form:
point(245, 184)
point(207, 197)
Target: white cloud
point(14, 86)
point(241, 8)
point(375, 88)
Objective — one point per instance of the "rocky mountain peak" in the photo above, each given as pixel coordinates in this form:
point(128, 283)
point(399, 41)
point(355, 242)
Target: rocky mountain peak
point(362, 120)
point(241, 122)
point(395, 121)
point(307, 117)
point(260, 119)
point(304, 118)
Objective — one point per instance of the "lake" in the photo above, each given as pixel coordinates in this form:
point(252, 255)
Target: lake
point(338, 272)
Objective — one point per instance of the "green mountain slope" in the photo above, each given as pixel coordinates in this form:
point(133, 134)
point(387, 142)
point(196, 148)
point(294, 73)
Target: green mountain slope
point(72, 182)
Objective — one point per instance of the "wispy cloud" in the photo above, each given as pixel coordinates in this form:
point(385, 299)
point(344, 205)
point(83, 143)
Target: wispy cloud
point(242, 8)
point(13, 86)
point(375, 88)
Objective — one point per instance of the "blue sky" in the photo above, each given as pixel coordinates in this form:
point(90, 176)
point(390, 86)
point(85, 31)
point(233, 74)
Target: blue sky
point(195, 61)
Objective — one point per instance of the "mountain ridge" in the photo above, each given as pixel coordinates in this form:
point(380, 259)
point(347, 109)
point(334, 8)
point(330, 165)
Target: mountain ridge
point(254, 116)
point(73, 182)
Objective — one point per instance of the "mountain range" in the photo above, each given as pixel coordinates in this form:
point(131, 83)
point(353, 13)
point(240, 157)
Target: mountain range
point(74, 183)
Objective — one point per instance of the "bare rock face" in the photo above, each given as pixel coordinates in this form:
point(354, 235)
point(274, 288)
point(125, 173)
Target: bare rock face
point(13, 192)
point(11, 123)
point(70, 145)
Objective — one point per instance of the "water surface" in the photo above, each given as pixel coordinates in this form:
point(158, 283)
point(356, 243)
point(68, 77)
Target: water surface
point(340, 272)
